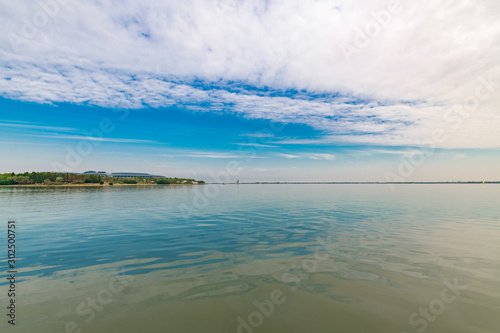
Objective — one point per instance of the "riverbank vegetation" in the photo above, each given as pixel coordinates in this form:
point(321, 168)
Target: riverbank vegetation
point(57, 178)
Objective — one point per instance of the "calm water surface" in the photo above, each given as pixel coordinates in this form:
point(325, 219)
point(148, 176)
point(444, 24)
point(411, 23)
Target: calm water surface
point(255, 258)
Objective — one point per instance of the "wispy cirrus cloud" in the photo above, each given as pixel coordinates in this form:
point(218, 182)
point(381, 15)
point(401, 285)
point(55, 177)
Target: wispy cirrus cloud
point(37, 127)
point(93, 138)
point(213, 155)
point(190, 153)
point(327, 157)
point(406, 153)
point(289, 156)
point(175, 153)
point(31, 143)
point(258, 135)
point(313, 156)
point(259, 145)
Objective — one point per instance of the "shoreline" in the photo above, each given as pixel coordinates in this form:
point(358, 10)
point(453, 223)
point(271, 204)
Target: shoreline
point(262, 183)
point(360, 183)
point(93, 185)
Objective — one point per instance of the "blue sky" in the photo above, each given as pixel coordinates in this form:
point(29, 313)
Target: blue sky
point(183, 89)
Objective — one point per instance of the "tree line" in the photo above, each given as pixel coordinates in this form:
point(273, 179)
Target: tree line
point(58, 178)
point(48, 178)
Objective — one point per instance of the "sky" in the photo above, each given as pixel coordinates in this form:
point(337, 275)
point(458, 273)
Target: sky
point(325, 90)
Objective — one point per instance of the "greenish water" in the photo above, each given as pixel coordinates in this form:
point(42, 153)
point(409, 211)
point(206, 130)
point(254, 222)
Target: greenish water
point(254, 258)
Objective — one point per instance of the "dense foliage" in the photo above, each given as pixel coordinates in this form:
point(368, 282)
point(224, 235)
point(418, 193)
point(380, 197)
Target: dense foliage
point(177, 181)
point(173, 181)
point(47, 178)
point(57, 178)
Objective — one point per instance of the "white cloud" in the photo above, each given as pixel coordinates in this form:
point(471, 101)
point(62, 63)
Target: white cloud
point(91, 138)
point(289, 156)
point(175, 153)
point(38, 127)
point(396, 90)
point(327, 157)
point(258, 135)
point(256, 145)
point(313, 156)
point(208, 154)
point(406, 153)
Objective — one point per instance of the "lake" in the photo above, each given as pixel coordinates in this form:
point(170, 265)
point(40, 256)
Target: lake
point(254, 258)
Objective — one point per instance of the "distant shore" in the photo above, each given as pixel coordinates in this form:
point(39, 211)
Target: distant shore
point(94, 185)
point(89, 178)
point(254, 183)
point(357, 183)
